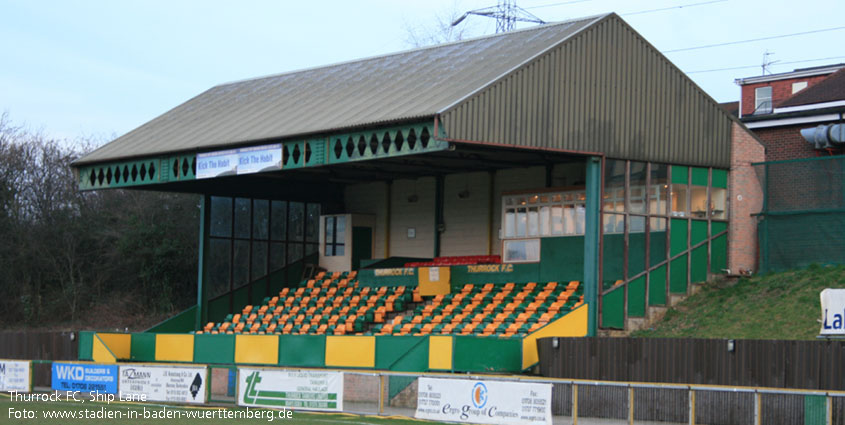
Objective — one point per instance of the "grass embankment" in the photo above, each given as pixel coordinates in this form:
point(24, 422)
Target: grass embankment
point(772, 306)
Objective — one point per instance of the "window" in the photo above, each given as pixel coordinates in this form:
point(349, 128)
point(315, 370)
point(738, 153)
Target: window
point(335, 236)
point(543, 214)
point(763, 100)
point(796, 87)
point(521, 251)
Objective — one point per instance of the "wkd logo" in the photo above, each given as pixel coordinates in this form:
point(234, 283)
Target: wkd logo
point(67, 372)
point(479, 395)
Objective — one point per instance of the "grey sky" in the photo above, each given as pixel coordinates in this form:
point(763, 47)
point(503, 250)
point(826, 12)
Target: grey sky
point(99, 68)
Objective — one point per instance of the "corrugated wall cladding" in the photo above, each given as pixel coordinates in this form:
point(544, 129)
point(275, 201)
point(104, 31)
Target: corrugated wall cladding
point(605, 90)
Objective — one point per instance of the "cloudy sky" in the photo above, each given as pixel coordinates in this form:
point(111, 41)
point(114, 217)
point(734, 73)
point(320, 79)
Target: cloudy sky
point(97, 69)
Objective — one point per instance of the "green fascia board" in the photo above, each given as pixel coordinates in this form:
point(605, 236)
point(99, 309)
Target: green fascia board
point(302, 350)
point(404, 353)
point(86, 345)
point(143, 347)
point(298, 153)
point(486, 354)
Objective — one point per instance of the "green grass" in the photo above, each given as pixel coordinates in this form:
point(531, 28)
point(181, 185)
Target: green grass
point(42, 409)
point(772, 306)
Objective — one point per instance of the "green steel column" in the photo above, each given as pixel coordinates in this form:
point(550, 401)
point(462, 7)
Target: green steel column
point(202, 289)
point(591, 241)
point(438, 212)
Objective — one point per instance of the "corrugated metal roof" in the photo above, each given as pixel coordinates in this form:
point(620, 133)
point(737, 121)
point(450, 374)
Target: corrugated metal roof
point(401, 86)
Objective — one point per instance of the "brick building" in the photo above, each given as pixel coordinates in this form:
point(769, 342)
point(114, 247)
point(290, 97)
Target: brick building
point(778, 106)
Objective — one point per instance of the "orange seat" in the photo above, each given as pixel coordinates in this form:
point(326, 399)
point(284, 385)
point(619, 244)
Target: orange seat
point(246, 310)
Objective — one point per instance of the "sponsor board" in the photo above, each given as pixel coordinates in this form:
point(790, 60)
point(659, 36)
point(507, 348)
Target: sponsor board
point(163, 383)
point(484, 402)
point(230, 162)
point(84, 377)
point(292, 389)
point(14, 376)
point(833, 312)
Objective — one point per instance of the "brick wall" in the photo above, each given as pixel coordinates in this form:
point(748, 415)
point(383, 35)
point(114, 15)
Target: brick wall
point(780, 91)
point(786, 142)
point(746, 198)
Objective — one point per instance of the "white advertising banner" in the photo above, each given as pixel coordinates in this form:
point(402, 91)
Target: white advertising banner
point(163, 383)
point(217, 164)
point(292, 389)
point(833, 312)
point(484, 402)
point(14, 376)
point(230, 162)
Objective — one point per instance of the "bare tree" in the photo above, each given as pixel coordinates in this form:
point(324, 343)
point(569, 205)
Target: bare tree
point(440, 30)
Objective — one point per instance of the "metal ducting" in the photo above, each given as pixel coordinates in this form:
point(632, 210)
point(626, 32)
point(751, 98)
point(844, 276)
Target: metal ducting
point(825, 136)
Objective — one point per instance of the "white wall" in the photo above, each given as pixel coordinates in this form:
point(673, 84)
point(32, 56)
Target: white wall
point(418, 215)
point(371, 199)
point(467, 219)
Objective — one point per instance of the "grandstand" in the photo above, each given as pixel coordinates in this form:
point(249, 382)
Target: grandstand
point(444, 207)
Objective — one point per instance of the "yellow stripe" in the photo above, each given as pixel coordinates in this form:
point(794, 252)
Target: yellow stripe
point(174, 348)
point(257, 349)
point(351, 351)
point(573, 324)
point(119, 344)
point(100, 352)
point(440, 352)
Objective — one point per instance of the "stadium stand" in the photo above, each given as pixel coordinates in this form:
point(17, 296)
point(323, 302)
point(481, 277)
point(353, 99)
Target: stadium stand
point(336, 304)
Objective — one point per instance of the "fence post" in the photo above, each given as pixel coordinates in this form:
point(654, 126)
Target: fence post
point(828, 409)
point(574, 404)
point(630, 405)
point(691, 406)
point(757, 407)
point(381, 394)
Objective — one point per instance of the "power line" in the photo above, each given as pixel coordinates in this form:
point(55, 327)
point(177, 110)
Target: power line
point(707, 46)
point(555, 4)
point(673, 7)
point(755, 66)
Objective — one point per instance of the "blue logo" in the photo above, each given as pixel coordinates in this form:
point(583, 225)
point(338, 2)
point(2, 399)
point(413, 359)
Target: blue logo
point(479, 395)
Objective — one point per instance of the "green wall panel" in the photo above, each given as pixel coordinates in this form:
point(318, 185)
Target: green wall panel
point(86, 345)
point(613, 257)
point(636, 297)
point(402, 353)
point(613, 309)
point(143, 347)
point(719, 254)
point(562, 259)
point(718, 227)
point(720, 178)
point(302, 350)
point(679, 174)
point(698, 264)
point(180, 323)
point(699, 176)
point(636, 253)
point(259, 291)
point(487, 354)
point(698, 233)
point(678, 275)
point(657, 286)
point(240, 298)
point(495, 273)
point(678, 236)
point(218, 308)
point(657, 250)
point(210, 348)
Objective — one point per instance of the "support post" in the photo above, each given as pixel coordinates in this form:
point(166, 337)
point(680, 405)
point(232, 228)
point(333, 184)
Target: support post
point(438, 212)
point(691, 407)
point(630, 405)
point(591, 241)
point(202, 288)
point(574, 404)
point(381, 388)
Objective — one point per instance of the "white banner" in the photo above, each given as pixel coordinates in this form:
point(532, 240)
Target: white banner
point(230, 162)
point(163, 383)
point(484, 402)
point(833, 312)
point(292, 389)
point(14, 376)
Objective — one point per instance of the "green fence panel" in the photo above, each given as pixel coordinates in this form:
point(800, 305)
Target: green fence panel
point(657, 286)
point(613, 309)
point(209, 348)
point(719, 254)
point(636, 253)
point(680, 174)
point(698, 264)
point(486, 354)
point(678, 236)
point(699, 176)
point(678, 275)
point(815, 410)
point(402, 353)
point(698, 233)
point(636, 297)
point(562, 259)
point(613, 258)
point(720, 178)
point(86, 345)
point(657, 248)
point(180, 323)
point(143, 347)
point(302, 350)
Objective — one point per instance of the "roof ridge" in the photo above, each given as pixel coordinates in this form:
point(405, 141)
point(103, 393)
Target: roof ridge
point(416, 49)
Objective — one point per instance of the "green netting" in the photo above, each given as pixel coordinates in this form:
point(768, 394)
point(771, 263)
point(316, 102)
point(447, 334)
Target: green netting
point(803, 220)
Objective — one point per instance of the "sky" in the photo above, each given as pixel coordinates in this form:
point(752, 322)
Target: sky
point(98, 69)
